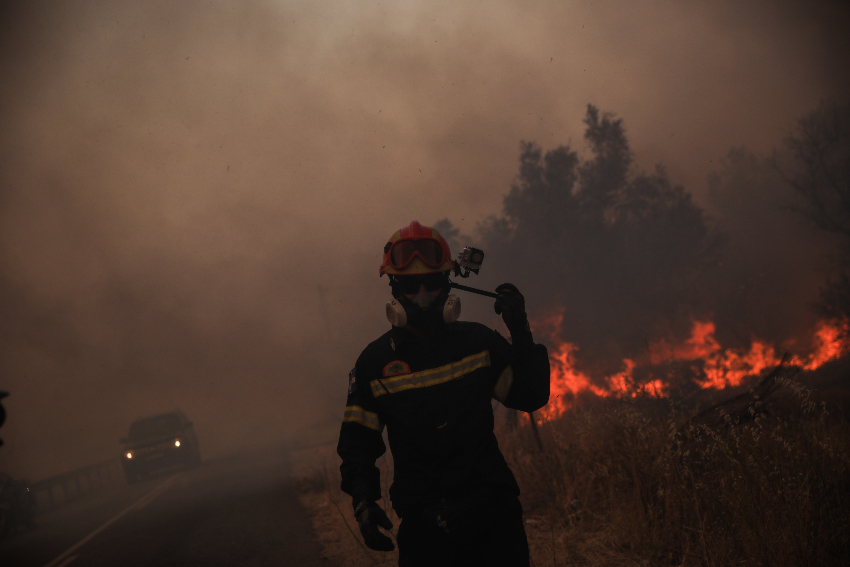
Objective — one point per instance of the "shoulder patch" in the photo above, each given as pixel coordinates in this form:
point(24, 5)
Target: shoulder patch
point(352, 381)
point(395, 368)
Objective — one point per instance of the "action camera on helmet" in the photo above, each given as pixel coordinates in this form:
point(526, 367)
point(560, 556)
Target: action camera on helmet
point(470, 259)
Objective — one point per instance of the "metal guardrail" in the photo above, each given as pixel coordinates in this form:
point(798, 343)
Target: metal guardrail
point(56, 491)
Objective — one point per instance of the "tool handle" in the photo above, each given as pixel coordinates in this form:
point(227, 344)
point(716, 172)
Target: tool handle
point(473, 290)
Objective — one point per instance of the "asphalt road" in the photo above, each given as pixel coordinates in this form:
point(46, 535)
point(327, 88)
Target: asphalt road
point(235, 511)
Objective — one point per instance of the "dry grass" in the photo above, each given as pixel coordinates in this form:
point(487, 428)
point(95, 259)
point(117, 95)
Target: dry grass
point(636, 481)
point(658, 489)
point(331, 513)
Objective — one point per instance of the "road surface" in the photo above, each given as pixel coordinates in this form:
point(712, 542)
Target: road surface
point(234, 511)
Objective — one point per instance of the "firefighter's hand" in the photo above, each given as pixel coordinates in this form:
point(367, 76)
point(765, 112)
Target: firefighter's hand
point(369, 515)
point(511, 306)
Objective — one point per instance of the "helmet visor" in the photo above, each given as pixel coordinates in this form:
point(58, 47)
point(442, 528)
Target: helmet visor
point(403, 252)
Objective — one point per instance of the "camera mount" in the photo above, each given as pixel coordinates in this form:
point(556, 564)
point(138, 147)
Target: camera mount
point(469, 261)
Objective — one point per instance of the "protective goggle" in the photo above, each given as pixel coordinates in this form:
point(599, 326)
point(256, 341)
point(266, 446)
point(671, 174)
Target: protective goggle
point(411, 284)
point(429, 251)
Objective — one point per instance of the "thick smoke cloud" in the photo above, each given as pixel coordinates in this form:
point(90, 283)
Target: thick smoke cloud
point(193, 196)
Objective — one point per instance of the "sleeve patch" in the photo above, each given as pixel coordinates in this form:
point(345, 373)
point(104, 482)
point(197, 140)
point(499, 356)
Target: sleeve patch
point(352, 381)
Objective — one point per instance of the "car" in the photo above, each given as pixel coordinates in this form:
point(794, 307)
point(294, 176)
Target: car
point(159, 443)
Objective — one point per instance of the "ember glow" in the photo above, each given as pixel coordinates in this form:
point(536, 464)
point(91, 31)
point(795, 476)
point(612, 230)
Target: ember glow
point(720, 368)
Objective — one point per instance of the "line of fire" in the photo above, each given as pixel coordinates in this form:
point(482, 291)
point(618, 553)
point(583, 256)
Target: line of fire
point(708, 364)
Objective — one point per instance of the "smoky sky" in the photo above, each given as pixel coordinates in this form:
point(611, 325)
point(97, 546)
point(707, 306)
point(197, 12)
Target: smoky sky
point(194, 197)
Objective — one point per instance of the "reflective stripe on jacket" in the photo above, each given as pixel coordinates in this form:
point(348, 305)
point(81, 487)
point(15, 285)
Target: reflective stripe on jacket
point(434, 395)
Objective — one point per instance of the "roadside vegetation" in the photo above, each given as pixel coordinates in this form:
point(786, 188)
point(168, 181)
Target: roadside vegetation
point(641, 481)
point(647, 481)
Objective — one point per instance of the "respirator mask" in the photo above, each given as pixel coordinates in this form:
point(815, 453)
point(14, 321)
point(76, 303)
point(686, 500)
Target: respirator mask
point(423, 311)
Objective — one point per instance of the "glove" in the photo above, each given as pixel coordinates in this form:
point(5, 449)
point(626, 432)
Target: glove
point(369, 515)
point(511, 306)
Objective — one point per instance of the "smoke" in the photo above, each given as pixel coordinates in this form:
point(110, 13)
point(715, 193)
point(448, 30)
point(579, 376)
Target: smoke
point(194, 196)
point(624, 259)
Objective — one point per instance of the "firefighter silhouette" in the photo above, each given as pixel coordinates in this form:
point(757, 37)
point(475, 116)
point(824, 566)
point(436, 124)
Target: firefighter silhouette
point(430, 381)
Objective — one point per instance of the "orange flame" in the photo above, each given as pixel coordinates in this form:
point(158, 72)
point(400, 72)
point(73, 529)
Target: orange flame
point(721, 367)
point(831, 342)
point(565, 382)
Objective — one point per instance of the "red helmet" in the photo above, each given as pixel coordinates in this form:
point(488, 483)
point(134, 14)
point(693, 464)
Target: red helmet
point(416, 249)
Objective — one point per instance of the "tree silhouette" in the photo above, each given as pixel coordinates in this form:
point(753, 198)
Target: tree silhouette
point(604, 177)
point(771, 260)
point(820, 171)
point(820, 174)
point(619, 251)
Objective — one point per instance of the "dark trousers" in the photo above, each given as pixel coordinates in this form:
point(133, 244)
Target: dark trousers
point(502, 543)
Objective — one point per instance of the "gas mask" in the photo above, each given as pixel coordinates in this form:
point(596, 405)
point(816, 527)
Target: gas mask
point(424, 311)
point(423, 299)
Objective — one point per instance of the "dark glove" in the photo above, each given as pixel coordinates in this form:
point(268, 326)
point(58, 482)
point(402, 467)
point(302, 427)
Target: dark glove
point(369, 515)
point(511, 306)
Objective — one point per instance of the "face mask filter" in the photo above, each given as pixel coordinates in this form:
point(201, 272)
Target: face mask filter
point(400, 314)
point(451, 309)
point(396, 314)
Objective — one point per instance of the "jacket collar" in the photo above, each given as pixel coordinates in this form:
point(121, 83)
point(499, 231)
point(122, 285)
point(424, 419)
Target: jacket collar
point(400, 336)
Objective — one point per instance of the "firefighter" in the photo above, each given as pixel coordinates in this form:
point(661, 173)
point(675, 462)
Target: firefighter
point(430, 381)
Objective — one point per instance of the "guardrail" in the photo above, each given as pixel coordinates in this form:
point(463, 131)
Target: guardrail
point(61, 489)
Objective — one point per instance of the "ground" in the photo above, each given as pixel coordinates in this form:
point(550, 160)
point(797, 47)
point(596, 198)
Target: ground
point(317, 471)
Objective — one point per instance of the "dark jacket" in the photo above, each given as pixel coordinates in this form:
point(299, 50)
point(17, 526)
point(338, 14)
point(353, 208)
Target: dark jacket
point(434, 394)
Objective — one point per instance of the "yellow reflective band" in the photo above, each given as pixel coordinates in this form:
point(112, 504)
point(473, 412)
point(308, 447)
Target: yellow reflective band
point(368, 419)
point(425, 378)
point(503, 385)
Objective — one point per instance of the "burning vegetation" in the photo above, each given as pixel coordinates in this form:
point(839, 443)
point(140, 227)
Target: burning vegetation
point(640, 479)
point(631, 278)
point(685, 425)
point(698, 404)
point(709, 365)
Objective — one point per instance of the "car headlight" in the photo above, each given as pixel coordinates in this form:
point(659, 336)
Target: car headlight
point(177, 442)
point(129, 454)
